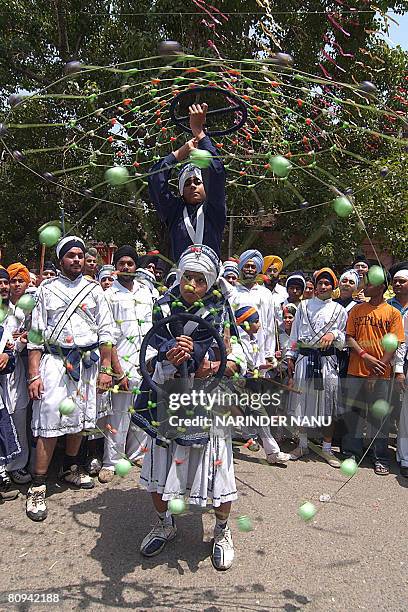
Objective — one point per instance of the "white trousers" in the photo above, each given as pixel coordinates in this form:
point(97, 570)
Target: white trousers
point(122, 439)
point(402, 442)
point(19, 418)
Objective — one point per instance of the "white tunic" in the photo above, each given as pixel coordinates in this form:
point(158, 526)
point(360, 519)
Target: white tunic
point(132, 312)
point(262, 299)
point(15, 388)
point(314, 318)
point(91, 323)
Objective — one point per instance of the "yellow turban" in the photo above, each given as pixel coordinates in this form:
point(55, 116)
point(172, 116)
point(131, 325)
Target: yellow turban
point(328, 274)
point(269, 260)
point(17, 269)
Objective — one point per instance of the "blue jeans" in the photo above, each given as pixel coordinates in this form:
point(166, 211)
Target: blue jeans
point(358, 401)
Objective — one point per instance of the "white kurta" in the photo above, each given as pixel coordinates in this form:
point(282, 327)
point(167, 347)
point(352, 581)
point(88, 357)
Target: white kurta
point(132, 312)
point(15, 392)
point(402, 442)
point(16, 382)
point(91, 323)
point(314, 318)
point(262, 299)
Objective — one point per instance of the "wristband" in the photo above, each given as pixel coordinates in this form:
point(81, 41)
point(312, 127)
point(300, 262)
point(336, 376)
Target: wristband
point(362, 353)
point(119, 378)
point(33, 378)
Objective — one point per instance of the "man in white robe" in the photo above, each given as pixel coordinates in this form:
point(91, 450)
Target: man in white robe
point(131, 304)
point(69, 347)
point(317, 331)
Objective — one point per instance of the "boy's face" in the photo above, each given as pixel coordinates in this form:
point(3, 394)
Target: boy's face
point(400, 286)
point(193, 286)
point(294, 292)
point(347, 286)
point(254, 327)
point(324, 289)
point(361, 268)
point(288, 319)
point(231, 278)
point(194, 192)
point(309, 291)
point(374, 291)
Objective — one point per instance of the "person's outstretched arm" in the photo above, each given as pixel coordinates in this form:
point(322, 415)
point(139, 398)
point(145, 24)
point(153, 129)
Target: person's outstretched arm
point(215, 183)
point(166, 202)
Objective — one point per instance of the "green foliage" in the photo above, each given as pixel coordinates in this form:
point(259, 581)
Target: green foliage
point(39, 37)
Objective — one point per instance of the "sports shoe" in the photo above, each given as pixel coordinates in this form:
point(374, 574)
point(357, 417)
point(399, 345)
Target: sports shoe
point(157, 538)
point(93, 466)
point(21, 476)
point(330, 458)
point(222, 554)
point(36, 508)
point(77, 476)
point(298, 453)
point(278, 457)
point(106, 475)
point(7, 491)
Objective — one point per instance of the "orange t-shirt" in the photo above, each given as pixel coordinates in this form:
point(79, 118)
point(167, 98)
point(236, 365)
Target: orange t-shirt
point(368, 324)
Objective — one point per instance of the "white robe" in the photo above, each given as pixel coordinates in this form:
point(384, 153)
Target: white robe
point(262, 299)
point(132, 312)
point(313, 319)
point(81, 330)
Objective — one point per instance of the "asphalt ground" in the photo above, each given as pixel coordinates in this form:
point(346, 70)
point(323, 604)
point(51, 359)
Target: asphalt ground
point(352, 556)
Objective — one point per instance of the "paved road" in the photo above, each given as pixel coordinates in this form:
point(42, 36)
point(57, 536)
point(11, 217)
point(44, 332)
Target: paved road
point(352, 556)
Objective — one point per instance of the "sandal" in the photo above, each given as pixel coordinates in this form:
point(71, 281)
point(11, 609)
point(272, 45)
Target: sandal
point(381, 470)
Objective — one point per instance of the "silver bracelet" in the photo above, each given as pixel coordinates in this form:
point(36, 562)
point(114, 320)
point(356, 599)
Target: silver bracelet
point(37, 377)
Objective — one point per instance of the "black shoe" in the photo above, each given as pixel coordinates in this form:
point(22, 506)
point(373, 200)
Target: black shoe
point(404, 471)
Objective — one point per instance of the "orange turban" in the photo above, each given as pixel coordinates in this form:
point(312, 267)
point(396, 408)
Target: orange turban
point(17, 269)
point(269, 260)
point(328, 274)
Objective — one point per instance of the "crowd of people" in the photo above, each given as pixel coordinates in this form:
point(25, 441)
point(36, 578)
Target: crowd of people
point(322, 347)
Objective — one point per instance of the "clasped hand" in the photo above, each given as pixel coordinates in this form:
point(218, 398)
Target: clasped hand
point(181, 352)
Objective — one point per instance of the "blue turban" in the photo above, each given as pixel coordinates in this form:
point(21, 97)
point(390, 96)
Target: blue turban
point(251, 254)
point(230, 267)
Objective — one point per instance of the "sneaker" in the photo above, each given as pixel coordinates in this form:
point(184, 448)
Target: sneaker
point(93, 466)
point(7, 491)
point(106, 475)
point(77, 476)
point(222, 554)
point(298, 453)
point(157, 538)
point(330, 458)
point(36, 508)
point(278, 457)
point(21, 476)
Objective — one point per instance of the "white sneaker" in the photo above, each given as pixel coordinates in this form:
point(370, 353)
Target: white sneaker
point(21, 476)
point(157, 538)
point(278, 457)
point(298, 453)
point(77, 476)
point(36, 508)
point(222, 554)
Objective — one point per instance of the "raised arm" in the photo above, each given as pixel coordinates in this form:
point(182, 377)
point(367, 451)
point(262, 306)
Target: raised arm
point(164, 200)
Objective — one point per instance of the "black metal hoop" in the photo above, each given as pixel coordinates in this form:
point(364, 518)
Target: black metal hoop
point(239, 106)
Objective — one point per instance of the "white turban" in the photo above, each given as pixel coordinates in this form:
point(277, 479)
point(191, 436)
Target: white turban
point(105, 272)
point(200, 258)
point(351, 274)
point(401, 274)
point(187, 172)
